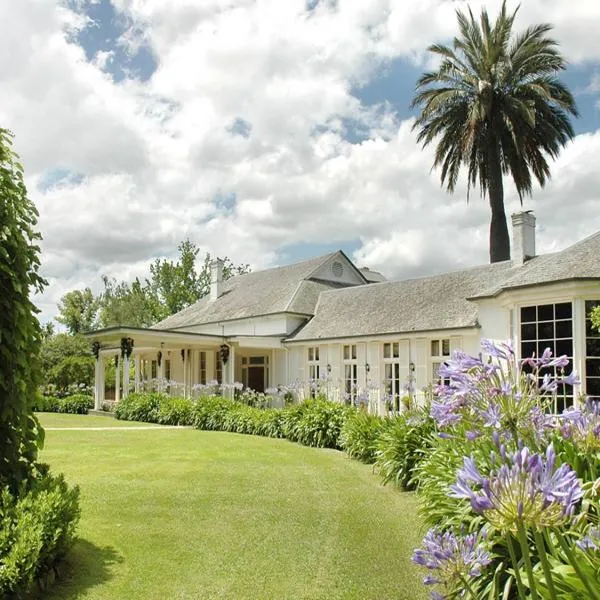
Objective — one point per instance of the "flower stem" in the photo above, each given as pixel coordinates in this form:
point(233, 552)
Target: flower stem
point(525, 551)
point(541, 547)
point(468, 587)
point(515, 562)
point(573, 561)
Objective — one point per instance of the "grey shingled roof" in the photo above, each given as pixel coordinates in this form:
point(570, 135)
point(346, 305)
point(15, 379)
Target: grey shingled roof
point(579, 261)
point(281, 289)
point(425, 304)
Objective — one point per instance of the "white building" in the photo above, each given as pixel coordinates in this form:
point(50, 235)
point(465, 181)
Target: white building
point(325, 319)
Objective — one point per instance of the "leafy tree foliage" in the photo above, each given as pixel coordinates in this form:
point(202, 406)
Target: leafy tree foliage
point(66, 359)
point(496, 107)
point(78, 310)
point(172, 286)
point(124, 304)
point(20, 332)
point(595, 317)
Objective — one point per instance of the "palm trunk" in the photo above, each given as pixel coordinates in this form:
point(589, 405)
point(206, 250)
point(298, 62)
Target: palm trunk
point(499, 240)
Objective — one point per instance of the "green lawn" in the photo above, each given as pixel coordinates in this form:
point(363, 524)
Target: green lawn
point(179, 514)
point(65, 420)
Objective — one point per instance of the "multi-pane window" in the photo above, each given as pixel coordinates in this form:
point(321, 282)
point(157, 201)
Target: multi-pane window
point(313, 363)
point(391, 361)
point(314, 370)
point(592, 353)
point(350, 371)
point(153, 369)
point(439, 352)
point(168, 369)
point(549, 326)
point(202, 368)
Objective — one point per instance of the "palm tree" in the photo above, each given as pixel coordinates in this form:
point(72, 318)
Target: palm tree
point(495, 105)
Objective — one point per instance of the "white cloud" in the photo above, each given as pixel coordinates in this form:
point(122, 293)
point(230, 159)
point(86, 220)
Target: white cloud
point(153, 155)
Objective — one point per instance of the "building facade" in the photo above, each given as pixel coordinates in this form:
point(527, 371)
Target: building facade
point(325, 323)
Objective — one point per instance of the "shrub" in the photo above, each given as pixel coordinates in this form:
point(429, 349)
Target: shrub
point(359, 435)
point(315, 422)
point(45, 403)
point(37, 527)
point(401, 444)
point(175, 411)
point(140, 406)
point(210, 412)
point(510, 491)
point(78, 404)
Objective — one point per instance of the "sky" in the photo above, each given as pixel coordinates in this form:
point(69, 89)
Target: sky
point(267, 131)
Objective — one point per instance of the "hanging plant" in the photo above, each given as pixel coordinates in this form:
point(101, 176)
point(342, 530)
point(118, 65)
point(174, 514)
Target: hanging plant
point(224, 353)
point(126, 347)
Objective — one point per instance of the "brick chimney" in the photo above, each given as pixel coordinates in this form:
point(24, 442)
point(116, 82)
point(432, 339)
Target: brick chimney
point(523, 246)
point(216, 278)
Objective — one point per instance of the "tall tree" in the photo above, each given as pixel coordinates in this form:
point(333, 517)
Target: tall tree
point(495, 106)
point(174, 285)
point(124, 304)
point(20, 332)
point(78, 311)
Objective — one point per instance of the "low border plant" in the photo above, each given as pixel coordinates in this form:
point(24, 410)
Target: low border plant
point(526, 483)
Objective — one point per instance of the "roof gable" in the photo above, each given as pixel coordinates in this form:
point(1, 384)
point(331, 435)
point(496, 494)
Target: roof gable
point(339, 269)
point(287, 289)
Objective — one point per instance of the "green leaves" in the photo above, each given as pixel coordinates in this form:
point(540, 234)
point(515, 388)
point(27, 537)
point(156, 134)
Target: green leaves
point(19, 328)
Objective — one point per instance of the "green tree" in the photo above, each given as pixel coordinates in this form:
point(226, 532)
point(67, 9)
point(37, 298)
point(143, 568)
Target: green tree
point(124, 304)
point(20, 332)
point(495, 106)
point(66, 360)
point(595, 317)
point(174, 285)
point(78, 311)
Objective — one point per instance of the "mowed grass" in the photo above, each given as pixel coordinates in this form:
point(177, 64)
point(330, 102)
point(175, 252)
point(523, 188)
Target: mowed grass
point(185, 514)
point(52, 420)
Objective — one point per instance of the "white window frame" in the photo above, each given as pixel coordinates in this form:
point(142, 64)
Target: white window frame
point(391, 370)
point(314, 369)
point(439, 352)
point(541, 341)
point(202, 373)
point(350, 364)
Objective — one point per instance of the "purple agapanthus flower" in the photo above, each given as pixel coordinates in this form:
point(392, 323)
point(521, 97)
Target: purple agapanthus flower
point(451, 558)
point(502, 350)
point(526, 488)
point(591, 542)
point(582, 426)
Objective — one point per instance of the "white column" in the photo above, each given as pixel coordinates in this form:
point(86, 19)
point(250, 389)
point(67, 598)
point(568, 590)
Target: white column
point(118, 379)
point(125, 376)
point(137, 372)
point(185, 370)
point(99, 383)
point(231, 366)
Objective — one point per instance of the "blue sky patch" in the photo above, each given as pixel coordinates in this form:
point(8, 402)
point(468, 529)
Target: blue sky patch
point(104, 34)
point(58, 176)
point(290, 253)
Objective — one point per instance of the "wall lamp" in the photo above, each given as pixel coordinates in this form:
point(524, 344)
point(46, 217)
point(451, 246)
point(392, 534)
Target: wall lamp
point(367, 367)
point(411, 366)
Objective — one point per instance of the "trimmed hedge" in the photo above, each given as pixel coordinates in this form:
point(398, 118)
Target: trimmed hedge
point(37, 528)
point(77, 404)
